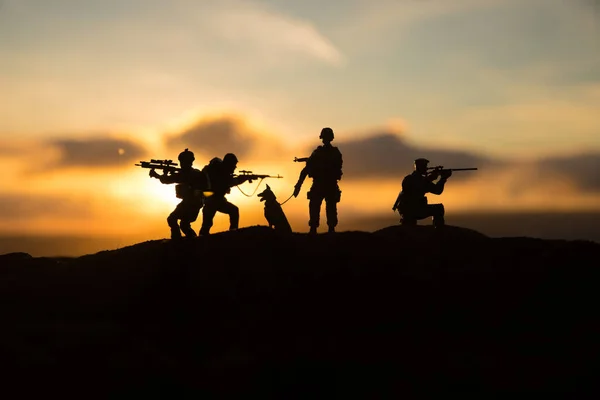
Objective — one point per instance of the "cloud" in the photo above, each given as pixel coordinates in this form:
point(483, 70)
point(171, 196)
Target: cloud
point(382, 154)
point(98, 152)
point(581, 169)
point(385, 155)
point(386, 19)
point(19, 207)
point(273, 36)
point(216, 135)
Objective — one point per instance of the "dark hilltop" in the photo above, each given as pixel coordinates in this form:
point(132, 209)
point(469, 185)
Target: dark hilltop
point(400, 311)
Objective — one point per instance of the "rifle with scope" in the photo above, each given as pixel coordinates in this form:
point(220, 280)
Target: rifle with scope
point(167, 166)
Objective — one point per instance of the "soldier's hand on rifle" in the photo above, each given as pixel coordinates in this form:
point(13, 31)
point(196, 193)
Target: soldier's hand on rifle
point(433, 175)
point(154, 174)
point(297, 190)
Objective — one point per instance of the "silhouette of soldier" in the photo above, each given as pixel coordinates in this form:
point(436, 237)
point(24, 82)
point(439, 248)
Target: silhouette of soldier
point(191, 185)
point(220, 174)
point(324, 166)
point(412, 202)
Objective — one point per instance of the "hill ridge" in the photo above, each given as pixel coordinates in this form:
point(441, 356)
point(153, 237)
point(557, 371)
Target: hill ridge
point(367, 313)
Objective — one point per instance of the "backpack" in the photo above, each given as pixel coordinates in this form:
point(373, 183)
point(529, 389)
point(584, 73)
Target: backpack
point(325, 163)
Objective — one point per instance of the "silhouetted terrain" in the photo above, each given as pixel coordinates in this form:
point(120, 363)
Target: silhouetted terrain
point(395, 311)
point(542, 225)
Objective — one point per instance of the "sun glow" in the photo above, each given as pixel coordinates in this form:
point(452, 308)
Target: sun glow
point(148, 195)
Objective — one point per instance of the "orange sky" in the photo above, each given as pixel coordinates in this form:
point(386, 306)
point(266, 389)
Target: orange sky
point(92, 186)
point(90, 88)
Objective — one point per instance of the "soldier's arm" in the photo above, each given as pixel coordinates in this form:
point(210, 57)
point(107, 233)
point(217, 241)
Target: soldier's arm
point(341, 163)
point(238, 180)
point(436, 188)
point(301, 179)
point(302, 176)
point(168, 179)
point(306, 170)
point(407, 183)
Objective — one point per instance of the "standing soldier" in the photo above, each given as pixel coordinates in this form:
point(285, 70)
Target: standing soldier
point(325, 167)
point(412, 203)
point(191, 185)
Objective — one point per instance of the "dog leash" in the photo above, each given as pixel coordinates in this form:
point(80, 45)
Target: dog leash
point(292, 195)
point(255, 189)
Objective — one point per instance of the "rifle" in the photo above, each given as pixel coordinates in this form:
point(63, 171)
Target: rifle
point(302, 159)
point(444, 172)
point(437, 169)
point(440, 168)
point(255, 176)
point(167, 166)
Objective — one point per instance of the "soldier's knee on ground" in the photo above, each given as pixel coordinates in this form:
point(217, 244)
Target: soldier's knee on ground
point(409, 221)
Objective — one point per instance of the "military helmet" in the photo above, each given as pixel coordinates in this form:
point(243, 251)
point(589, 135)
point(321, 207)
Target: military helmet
point(186, 156)
point(230, 158)
point(421, 161)
point(326, 133)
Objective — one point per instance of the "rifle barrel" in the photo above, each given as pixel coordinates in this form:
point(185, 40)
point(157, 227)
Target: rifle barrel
point(463, 169)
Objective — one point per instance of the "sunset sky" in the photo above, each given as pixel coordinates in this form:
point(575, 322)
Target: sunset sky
point(90, 87)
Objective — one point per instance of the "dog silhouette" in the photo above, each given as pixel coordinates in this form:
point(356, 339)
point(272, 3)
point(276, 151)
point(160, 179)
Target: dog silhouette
point(273, 211)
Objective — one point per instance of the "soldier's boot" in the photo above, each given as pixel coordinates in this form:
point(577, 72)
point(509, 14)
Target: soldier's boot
point(439, 222)
point(331, 229)
point(313, 230)
point(187, 230)
point(172, 222)
point(175, 233)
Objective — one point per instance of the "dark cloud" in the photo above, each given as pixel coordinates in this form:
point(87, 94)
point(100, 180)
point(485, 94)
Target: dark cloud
point(214, 137)
point(385, 155)
point(582, 169)
point(21, 207)
point(99, 152)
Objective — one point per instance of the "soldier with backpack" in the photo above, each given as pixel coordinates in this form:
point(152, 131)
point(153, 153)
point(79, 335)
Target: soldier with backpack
point(324, 166)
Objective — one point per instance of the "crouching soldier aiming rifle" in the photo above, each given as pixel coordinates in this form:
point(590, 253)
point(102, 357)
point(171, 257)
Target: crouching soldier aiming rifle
point(412, 203)
point(192, 186)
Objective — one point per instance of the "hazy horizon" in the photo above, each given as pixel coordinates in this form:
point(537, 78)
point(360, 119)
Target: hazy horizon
point(550, 226)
